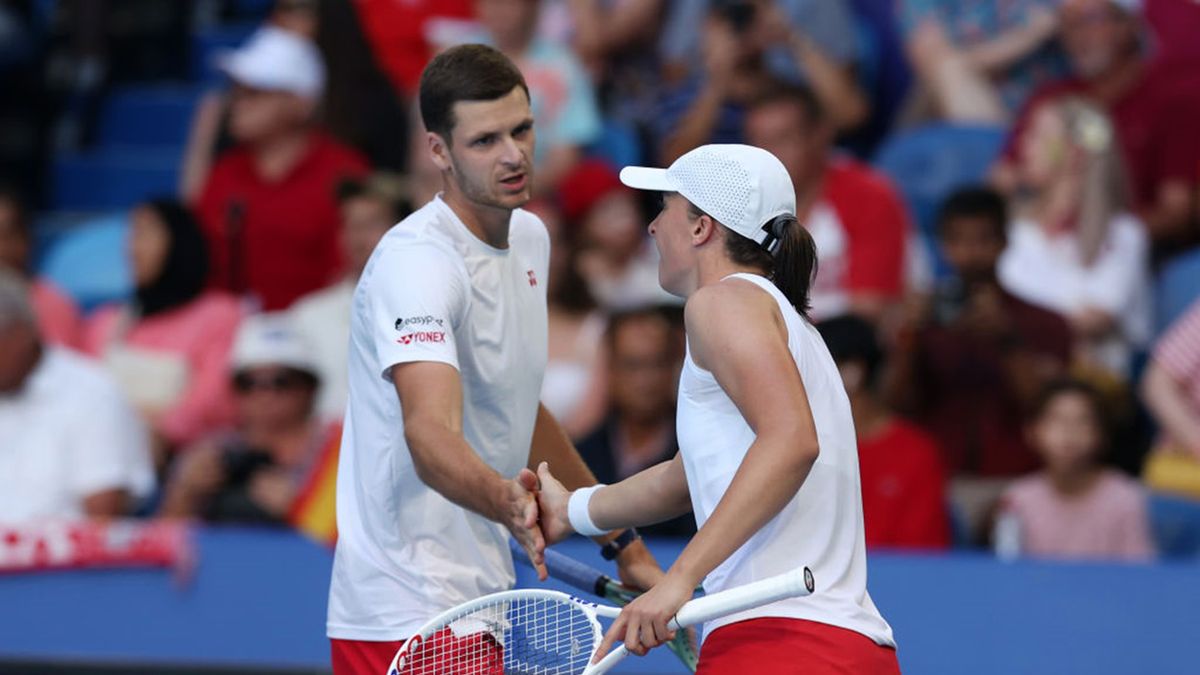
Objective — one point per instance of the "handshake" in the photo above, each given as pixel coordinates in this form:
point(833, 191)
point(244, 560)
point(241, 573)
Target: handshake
point(534, 508)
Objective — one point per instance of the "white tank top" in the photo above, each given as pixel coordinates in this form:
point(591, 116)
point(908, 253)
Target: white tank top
point(822, 526)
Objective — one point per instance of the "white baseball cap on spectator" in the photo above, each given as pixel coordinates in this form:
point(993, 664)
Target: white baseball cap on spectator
point(274, 59)
point(743, 187)
point(271, 340)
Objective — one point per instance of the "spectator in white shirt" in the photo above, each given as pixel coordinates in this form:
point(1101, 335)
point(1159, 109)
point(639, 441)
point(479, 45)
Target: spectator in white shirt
point(368, 209)
point(1074, 248)
point(70, 445)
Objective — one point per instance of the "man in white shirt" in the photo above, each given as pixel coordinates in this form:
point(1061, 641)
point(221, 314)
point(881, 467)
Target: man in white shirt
point(449, 315)
point(70, 445)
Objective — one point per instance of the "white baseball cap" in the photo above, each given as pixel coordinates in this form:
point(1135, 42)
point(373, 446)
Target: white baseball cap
point(741, 186)
point(276, 60)
point(271, 340)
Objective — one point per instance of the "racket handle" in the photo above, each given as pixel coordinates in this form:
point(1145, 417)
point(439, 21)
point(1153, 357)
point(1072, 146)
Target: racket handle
point(756, 594)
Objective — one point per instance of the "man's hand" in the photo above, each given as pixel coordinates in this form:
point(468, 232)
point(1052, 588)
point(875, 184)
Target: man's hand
point(642, 624)
point(552, 500)
point(517, 509)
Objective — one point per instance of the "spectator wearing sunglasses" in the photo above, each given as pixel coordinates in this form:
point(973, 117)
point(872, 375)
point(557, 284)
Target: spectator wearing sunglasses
point(255, 472)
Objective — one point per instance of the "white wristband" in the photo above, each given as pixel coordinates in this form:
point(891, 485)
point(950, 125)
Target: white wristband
point(577, 512)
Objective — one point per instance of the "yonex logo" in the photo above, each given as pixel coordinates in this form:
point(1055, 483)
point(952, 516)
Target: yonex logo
point(422, 336)
point(532, 277)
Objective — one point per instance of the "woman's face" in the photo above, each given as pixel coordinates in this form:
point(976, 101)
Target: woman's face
point(1067, 434)
point(271, 397)
point(149, 243)
point(1044, 148)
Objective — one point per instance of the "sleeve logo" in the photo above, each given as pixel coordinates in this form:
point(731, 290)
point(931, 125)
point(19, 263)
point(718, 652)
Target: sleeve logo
point(422, 336)
point(403, 323)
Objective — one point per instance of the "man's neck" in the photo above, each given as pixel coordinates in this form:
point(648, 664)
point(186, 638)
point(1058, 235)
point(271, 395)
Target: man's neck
point(276, 156)
point(870, 418)
point(488, 224)
point(35, 355)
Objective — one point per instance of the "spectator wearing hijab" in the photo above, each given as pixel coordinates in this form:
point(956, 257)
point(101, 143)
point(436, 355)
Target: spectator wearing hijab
point(169, 344)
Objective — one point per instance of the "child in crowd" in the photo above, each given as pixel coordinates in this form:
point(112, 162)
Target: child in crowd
point(1074, 507)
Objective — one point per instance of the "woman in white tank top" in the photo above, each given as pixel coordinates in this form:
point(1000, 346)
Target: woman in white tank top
point(768, 461)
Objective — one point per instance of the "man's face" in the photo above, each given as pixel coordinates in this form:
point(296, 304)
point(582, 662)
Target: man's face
point(782, 128)
point(1095, 35)
point(365, 219)
point(14, 240)
point(258, 114)
point(672, 232)
point(490, 157)
point(972, 247)
point(642, 369)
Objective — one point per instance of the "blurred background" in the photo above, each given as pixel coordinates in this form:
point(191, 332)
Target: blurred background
point(1005, 196)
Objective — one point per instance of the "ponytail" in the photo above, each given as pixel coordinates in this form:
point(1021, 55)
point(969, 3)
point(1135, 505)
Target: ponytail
point(795, 261)
point(787, 256)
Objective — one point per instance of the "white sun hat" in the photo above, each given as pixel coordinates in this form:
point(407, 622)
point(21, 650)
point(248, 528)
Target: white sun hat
point(276, 60)
point(741, 186)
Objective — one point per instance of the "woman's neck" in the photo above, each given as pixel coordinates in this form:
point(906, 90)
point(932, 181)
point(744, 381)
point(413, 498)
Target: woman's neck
point(275, 157)
point(1075, 482)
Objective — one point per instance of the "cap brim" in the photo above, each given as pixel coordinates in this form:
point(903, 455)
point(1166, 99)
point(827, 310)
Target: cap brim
point(647, 178)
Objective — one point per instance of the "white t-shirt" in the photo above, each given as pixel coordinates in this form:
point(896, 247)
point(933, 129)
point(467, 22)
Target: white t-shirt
point(432, 291)
point(822, 527)
point(1048, 272)
point(67, 434)
point(323, 317)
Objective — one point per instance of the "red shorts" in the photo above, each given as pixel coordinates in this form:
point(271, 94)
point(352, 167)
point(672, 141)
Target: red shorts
point(479, 654)
point(777, 646)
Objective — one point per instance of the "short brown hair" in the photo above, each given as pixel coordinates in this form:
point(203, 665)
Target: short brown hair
point(464, 73)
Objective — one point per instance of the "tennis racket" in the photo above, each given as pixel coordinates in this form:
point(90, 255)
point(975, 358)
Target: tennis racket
point(588, 579)
point(543, 632)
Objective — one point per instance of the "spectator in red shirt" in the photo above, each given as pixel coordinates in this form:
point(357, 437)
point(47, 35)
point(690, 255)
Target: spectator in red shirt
point(1154, 107)
point(57, 316)
point(854, 215)
point(970, 362)
point(403, 35)
point(904, 503)
point(268, 206)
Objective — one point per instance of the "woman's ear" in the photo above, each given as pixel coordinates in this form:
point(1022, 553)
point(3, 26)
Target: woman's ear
point(703, 229)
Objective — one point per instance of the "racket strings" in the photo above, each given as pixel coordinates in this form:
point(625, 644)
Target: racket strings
point(530, 636)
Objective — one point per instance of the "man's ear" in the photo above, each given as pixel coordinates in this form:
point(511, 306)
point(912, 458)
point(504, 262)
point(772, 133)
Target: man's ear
point(439, 150)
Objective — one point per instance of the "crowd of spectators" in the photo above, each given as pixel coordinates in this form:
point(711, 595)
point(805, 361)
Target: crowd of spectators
point(1006, 378)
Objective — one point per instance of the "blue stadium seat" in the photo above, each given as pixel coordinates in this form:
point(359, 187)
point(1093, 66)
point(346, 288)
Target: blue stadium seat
point(928, 163)
point(89, 261)
point(208, 42)
point(1175, 524)
point(618, 144)
point(114, 177)
point(1178, 286)
point(148, 115)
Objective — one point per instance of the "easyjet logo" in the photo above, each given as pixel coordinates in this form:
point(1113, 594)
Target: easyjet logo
point(422, 336)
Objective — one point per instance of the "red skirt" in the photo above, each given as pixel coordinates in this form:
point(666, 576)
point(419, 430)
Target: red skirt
point(778, 646)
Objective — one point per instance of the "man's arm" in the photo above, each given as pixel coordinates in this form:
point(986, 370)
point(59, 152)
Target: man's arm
point(551, 447)
point(431, 400)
